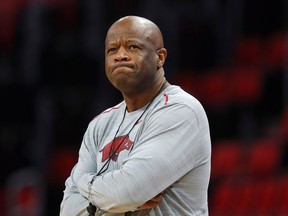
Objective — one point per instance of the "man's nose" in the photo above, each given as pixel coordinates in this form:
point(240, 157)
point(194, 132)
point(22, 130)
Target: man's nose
point(122, 55)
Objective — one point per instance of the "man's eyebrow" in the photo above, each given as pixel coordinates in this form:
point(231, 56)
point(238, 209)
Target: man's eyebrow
point(111, 43)
point(133, 39)
point(129, 40)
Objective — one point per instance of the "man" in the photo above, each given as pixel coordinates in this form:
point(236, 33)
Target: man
point(150, 154)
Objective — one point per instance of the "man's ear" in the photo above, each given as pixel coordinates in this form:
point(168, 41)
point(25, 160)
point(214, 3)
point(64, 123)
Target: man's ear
point(162, 54)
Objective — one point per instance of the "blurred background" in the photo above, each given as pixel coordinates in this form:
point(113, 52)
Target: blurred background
point(230, 54)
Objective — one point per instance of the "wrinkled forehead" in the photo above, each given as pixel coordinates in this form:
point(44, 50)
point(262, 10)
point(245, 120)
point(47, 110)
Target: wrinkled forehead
point(118, 32)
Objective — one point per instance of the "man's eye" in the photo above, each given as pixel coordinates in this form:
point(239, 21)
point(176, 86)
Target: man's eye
point(113, 49)
point(131, 47)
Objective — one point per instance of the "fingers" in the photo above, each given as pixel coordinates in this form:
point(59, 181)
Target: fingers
point(149, 205)
point(152, 203)
point(157, 198)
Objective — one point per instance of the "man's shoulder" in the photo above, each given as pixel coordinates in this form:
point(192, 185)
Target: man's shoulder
point(109, 112)
point(176, 95)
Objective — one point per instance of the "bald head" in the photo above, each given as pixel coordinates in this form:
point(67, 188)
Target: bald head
point(134, 56)
point(138, 26)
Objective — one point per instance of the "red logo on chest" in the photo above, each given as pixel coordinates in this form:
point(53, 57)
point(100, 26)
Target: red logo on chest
point(118, 144)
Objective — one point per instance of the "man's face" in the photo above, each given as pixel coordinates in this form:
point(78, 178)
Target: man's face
point(130, 57)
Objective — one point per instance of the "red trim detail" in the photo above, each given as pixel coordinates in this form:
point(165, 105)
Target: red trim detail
point(166, 98)
point(107, 111)
point(139, 121)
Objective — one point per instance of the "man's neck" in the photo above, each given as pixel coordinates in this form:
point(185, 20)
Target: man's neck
point(138, 101)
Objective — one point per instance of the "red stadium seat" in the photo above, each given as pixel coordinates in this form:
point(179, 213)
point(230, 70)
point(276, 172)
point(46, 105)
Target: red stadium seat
point(263, 157)
point(61, 164)
point(246, 84)
point(275, 52)
point(283, 197)
point(226, 158)
point(249, 51)
point(267, 194)
point(248, 196)
point(215, 88)
point(221, 198)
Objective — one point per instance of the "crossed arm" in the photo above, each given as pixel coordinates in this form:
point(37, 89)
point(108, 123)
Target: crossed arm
point(155, 164)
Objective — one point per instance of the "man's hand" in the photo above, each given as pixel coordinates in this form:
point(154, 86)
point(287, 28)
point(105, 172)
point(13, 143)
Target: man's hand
point(151, 203)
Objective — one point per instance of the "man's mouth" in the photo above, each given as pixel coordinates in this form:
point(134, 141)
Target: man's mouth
point(118, 68)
